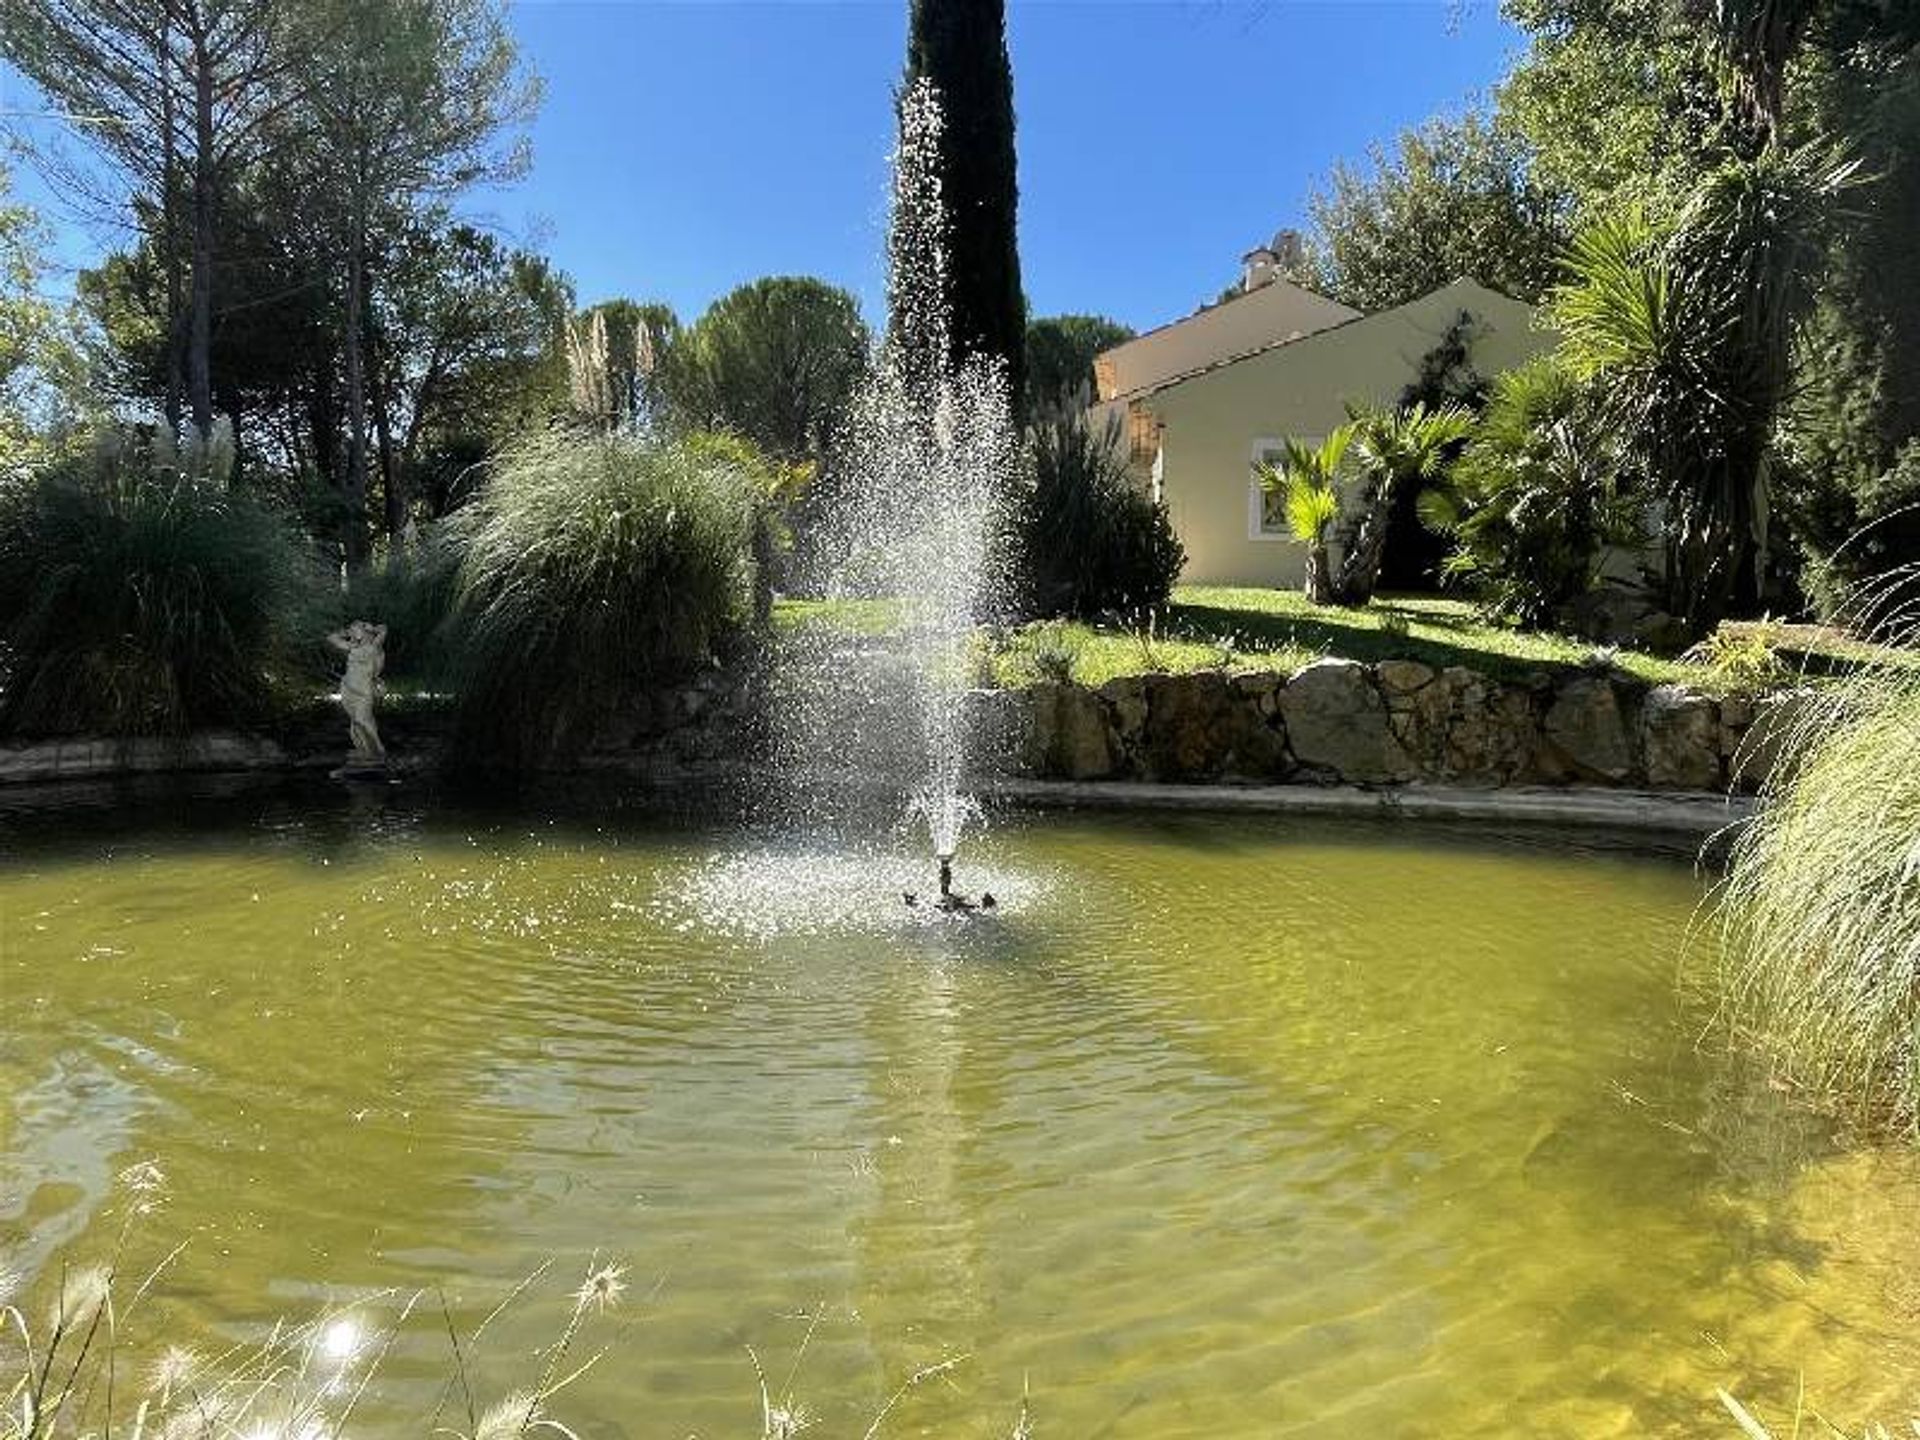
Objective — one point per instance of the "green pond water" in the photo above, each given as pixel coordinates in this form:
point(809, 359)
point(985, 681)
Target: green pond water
point(1223, 1128)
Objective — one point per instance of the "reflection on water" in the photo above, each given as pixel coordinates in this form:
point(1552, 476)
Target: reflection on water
point(1220, 1128)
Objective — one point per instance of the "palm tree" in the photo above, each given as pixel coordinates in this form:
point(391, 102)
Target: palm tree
point(1392, 449)
point(1693, 326)
point(1690, 330)
point(1306, 475)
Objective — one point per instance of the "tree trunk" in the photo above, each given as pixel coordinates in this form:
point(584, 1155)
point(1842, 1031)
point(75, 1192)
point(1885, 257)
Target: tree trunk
point(170, 227)
point(392, 479)
point(356, 486)
point(1319, 586)
point(200, 333)
point(1361, 560)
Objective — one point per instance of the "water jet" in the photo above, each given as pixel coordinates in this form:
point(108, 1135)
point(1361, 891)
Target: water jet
point(921, 509)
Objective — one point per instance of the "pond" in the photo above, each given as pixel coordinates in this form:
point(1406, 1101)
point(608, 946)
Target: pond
point(1222, 1127)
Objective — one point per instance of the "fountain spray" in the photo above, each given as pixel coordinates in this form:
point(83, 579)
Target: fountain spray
point(924, 487)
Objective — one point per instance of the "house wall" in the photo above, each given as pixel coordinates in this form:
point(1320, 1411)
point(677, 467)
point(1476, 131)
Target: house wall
point(1246, 322)
point(1213, 422)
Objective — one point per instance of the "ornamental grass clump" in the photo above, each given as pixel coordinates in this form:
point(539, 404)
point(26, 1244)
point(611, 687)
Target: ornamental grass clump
point(596, 568)
point(1821, 906)
point(137, 598)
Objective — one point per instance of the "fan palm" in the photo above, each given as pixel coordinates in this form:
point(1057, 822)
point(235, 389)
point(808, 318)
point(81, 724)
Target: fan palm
point(1306, 476)
point(1392, 449)
point(1534, 500)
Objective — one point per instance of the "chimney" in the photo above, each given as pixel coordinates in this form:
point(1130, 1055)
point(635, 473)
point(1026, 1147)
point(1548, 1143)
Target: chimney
point(1256, 268)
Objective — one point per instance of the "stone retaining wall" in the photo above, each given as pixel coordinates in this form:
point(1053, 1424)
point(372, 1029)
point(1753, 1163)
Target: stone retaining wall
point(1340, 721)
point(1336, 721)
point(84, 759)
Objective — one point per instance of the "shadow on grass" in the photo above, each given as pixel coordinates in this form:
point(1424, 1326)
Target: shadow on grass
point(1325, 633)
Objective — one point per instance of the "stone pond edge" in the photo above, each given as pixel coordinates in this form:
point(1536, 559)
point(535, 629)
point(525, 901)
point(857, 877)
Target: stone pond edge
point(1689, 815)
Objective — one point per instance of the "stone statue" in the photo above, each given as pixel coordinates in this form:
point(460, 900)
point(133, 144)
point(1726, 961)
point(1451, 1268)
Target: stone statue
point(363, 643)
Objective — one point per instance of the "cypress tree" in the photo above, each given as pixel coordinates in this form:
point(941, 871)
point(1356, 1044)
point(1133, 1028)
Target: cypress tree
point(961, 47)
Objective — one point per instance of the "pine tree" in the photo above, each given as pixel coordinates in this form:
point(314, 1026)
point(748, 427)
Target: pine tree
point(960, 46)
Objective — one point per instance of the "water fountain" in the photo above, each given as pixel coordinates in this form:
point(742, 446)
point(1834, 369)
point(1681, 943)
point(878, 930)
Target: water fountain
point(917, 522)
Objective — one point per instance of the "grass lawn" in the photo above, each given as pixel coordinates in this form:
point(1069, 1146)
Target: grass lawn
point(1282, 629)
point(1239, 628)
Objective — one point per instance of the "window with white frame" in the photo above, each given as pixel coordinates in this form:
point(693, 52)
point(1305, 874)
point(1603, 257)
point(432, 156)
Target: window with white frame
point(1266, 509)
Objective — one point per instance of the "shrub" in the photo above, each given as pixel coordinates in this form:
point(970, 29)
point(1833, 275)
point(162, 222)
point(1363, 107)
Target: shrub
point(135, 600)
point(780, 489)
point(1396, 451)
point(411, 591)
point(1855, 532)
point(1094, 542)
point(595, 569)
point(1822, 904)
point(1743, 659)
point(1535, 499)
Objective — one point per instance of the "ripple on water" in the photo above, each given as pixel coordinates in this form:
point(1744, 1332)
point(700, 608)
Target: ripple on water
point(1219, 1129)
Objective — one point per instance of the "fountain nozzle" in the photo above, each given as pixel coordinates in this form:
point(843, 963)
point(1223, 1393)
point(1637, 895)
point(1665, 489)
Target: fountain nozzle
point(946, 876)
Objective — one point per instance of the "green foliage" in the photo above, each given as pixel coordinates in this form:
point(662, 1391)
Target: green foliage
point(1048, 652)
point(780, 491)
point(1060, 353)
point(1723, 122)
point(468, 353)
point(595, 569)
point(1535, 498)
point(1094, 542)
point(137, 601)
point(40, 368)
point(1614, 101)
point(1453, 198)
point(1394, 450)
point(1687, 328)
point(1852, 436)
point(412, 591)
point(960, 46)
point(1311, 508)
point(1821, 908)
point(775, 361)
point(1741, 660)
point(1308, 476)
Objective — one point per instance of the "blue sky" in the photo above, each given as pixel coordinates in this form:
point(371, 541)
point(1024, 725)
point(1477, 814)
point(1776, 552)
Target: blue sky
point(685, 148)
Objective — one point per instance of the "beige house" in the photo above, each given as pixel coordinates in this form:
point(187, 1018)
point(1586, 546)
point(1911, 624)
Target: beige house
point(1206, 400)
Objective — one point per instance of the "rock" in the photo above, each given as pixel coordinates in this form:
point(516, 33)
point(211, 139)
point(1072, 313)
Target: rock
point(1179, 740)
point(1401, 678)
point(1680, 732)
point(1613, 613)
point(1588, 731)
point(1126, 696)
point(1201, 727)
point(1069, 738)
point(1465, 727)
point(1261, 688)
point(1336, 721)
point(1736, 714)
point(1659, 633)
